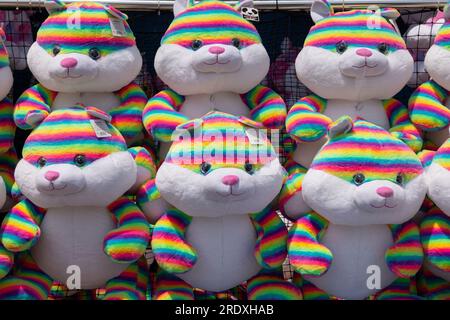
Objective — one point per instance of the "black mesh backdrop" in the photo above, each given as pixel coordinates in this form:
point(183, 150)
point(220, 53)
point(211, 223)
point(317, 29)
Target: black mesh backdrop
point(283, 33)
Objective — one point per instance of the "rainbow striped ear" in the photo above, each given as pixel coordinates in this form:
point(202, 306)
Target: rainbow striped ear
point(321, 9)
point(341, 126)
point(54, 5)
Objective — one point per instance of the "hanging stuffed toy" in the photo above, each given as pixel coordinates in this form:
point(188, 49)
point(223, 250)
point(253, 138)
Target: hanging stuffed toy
point(434, 279)
point(74, 225)
point(212, 59)
point(353, 62)
point(364, 186)
point(429, 104)
point(86, 53)
point(220, 229)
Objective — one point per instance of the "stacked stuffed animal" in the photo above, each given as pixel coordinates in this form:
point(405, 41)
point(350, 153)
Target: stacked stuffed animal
point(86, 53)
point(74, 172)
point(220, 229)
point(354, 62)
point(212, 59)
point(429, 105)
point(364, 186)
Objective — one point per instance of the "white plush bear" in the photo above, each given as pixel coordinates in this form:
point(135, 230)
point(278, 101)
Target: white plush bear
point(74, 225)
point(212, 59)
point(353, 62)
point(85, 53)
point(364, 186)
point(220, 229)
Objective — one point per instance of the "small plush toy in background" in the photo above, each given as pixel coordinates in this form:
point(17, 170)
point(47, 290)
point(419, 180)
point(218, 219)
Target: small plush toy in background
point(85, 52)
point(74, 225)
point(220, 229)
point(434, 280)
point(212, 59)
point(364, 186)
point(429, 104)
point(353, 62)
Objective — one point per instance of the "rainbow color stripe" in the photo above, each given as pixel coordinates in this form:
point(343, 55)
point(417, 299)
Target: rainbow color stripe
point(443, 36)
point(271, 286)
point(212, 22)
point(170, 287)
point(442, 156)
point(66, 133)
point(354, 27)
point(81, 26)
point(370, 150)
point(4, 56)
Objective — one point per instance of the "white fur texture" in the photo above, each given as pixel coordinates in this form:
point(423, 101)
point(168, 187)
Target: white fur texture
point(107, 74)
point(186, 71)
point(344, 203)
point(206, 196)
point(438, 179)
point(437, 64)
point(334, 76)
point(6, 80)
point(97, 184)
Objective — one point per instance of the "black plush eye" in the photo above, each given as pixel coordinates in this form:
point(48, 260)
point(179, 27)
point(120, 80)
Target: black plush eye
point(56, 49)
point(205, 167)
point(249, 168)
point(42, 162)
point(341, 46)
point(196, 44)
point(236, 42)
point(358, 179)
point(79, 160)
point(94, 53)
point(400, 178)
point(383, 48)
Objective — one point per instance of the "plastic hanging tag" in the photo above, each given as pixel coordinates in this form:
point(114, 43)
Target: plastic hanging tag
point(251, 14)
point(117, 27)
point(101, 128)
point(254, 136)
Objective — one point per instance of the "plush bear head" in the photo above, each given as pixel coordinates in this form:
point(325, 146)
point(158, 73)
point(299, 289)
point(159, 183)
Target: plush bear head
point(220, 165)
point(437, 59)
point(438, 178)
point(84, 47)
point(353, 55)
point(6, 77)
point(363, 175)
point(75, 158)
point(210, 48)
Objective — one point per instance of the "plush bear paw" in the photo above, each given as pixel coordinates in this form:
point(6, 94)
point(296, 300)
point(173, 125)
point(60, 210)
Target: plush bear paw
point(16, 240)
point(34, 118)
point(125, 245)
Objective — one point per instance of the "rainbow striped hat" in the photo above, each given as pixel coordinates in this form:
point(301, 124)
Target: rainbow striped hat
point(80, 26)
point(221, 140)
point(442, 156)
point(368, 149)
point(358, 28)
point(212, 22)
point(66, 133)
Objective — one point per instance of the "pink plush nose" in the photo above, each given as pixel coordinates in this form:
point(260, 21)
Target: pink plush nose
point(230, 180)
point(68, 62)
point(364, 52)
point(51, 175)
point(216, 50)
point(385, 192)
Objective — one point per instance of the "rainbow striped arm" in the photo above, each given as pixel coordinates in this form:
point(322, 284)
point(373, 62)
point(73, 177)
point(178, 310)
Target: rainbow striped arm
point(405, 256)
point(266, 107)
point(127, 243)
point(305, 121)
point(306, 254)
point(147, 193)
point(435, 237)
point(161, 116)
point(127, 117)
point(293, 183)
point(33, 106)
point(20, 228)
point(7, 126)
point(271, 233)
point(169, 245)
point(145, 163)
point(427, 107)
point(6, 261)
point(401, 125)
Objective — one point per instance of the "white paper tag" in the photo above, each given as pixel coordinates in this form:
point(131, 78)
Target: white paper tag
point(117, 27)
point(101, 128)
point(254, 136)
point(251, 14)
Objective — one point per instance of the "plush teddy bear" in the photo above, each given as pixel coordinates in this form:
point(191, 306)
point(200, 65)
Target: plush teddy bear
point(434, 279)
point(85, 52)
point(364, 186)
point(353, 62)
point(74, 172)
point(220, 229)
point(429, 104)
point(212, 59)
